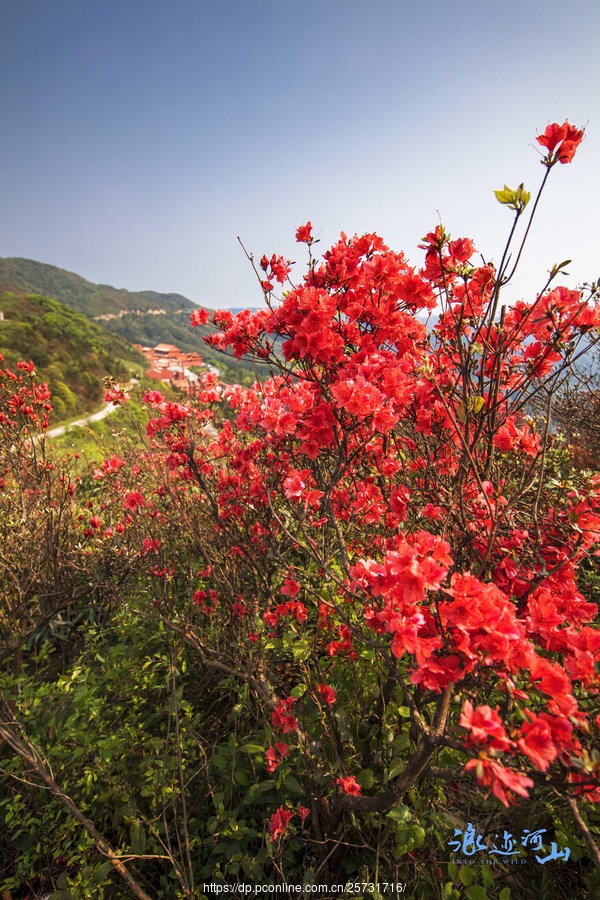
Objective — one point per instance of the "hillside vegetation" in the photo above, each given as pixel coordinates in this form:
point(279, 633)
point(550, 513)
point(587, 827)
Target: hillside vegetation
point(80, 294)
point(29, 276)
point(71, 353)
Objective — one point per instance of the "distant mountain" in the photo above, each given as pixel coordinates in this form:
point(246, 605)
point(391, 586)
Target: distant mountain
point(71, 353)
point(90, 299)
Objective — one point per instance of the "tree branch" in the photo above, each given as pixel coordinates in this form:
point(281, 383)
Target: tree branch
point(25, 751)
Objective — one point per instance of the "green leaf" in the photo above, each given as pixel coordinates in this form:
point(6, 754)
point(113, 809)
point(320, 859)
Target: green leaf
point(396, 767)
point(293, 785)
point(301, 650)
point(467, 874)
point(476, 892)
point(487, 876)
point(559, 267)
point(449, 892)
point(256, 789)
point(477, 404)
point(253, 748)
point(137, 838)
point(416, 837)
point(366, 778)
point(505, 893)
point(299, 690)
point(102, 871)
point(505, 196)
point(516, 198)
point(400, 814)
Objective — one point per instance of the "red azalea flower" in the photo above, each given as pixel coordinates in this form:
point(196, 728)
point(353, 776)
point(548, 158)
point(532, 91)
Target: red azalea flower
point(485, 726)
point(133, 499)
point(290, 587)
point(505, 783)
point(153, 397)
point(151, 546)
point(327, 693)
point(109, 466)
point(303, 234)
point(116, 396)
point(461, 250)
point(537, 742)
point(349, 785)
point(561, 141)
point(279, 823)
point(199, 317)
point(282, 718)
point(274, 755)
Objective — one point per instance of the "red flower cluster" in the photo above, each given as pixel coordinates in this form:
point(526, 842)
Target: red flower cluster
point(282, 717)
point(390, 475)
point(281, 818)
point(274, 756)
point(304, 234)
point(327, 693)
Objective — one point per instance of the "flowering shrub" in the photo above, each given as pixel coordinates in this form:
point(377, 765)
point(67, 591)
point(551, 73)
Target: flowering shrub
point(373, 544)
point(390, 479)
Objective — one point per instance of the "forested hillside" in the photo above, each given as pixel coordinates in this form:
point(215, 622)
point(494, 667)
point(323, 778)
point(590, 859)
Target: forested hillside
point(71, 353)
point(28, 276)
point(80, 294)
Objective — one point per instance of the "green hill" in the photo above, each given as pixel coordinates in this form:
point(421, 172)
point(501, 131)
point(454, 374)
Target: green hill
point(81, 295)
point(131, 315)
point(71, 353)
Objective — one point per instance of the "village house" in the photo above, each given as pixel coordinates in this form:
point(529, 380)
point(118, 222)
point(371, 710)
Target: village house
point(170, 364)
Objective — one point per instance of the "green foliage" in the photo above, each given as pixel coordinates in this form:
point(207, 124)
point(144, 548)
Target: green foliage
point(113, 708)
point(71, 353)
point(516, 199)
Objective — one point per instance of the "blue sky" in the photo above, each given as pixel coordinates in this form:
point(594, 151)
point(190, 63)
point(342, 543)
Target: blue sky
point(141, 137)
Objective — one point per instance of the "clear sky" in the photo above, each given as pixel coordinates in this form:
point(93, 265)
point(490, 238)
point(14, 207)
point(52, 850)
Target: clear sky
point(141, 137)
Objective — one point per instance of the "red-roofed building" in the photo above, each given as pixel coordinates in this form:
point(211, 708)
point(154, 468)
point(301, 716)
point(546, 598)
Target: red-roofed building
point(170, 364)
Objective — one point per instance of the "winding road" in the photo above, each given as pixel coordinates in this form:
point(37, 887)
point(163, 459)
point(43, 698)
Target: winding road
point(94, 417)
